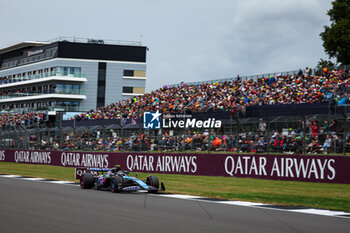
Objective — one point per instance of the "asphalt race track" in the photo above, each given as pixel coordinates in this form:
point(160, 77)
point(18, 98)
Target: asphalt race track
point(32, 206)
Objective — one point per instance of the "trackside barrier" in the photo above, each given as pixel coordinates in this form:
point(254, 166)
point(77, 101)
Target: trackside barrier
point(327, 169)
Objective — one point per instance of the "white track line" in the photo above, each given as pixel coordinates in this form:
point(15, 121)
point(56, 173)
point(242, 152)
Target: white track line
point(59, 182)
point(37, 179)
point(178, 196)
point(241, 203)
point(33, 179)
point(10, 176)
point(321, 212)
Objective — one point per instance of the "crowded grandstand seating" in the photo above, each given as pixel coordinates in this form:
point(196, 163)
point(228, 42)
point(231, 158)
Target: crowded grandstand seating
point(316, 135)
point(231, 95)
point(13, 119)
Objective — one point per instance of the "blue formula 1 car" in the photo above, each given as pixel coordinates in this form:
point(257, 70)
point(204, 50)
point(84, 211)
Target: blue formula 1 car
point(118, 180)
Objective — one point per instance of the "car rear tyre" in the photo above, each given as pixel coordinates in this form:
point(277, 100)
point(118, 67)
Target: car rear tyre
point(117, 184)
point(154, 182)
point(87, 181)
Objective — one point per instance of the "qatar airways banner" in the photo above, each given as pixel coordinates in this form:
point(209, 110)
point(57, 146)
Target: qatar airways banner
point(330, 169)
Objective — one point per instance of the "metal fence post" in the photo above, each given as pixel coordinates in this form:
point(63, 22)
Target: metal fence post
point(303, 138)
point(209, 141)
point(344, 141)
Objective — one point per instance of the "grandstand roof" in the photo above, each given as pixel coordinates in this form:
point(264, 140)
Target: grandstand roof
point(21, 45)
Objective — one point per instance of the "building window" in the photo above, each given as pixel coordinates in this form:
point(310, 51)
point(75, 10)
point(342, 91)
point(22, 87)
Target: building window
point(135, 74)
point(66, 89)
point(134, 90)
point(129, 73)
point(128, 89)
point(101, 84)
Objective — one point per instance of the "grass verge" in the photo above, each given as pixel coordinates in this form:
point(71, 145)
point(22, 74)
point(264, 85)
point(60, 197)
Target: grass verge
point(316, 195)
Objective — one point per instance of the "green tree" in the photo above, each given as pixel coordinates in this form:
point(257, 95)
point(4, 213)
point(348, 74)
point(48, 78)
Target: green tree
point(336, 37)
point(324, 63)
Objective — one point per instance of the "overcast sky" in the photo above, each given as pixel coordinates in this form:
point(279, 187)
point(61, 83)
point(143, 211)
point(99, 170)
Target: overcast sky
point(187, 40)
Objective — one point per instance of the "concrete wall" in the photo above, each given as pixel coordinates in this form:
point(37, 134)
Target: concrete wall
point(115, 80)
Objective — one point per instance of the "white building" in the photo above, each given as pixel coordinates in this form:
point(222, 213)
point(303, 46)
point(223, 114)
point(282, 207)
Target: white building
point(70, 75)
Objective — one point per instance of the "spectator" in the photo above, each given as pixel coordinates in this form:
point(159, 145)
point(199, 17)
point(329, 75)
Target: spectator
point(262, 126)
point(314, 129)
point(327, 144)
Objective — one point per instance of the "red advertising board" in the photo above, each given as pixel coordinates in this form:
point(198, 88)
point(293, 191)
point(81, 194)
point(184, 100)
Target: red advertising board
point(329, 169)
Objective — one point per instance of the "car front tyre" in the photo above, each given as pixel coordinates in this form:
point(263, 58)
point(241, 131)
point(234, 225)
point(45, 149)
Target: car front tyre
point(117, 184)
point(154, 182)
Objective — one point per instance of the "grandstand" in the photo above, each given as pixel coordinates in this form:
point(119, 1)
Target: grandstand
point(229, 95)
point(293, 112)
